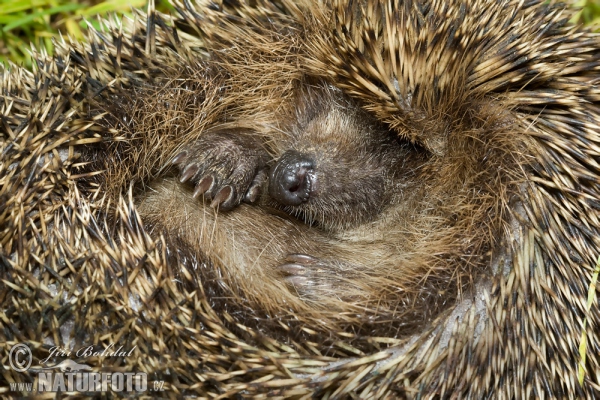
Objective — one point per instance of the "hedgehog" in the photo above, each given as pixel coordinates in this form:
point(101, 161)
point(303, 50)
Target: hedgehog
point(342, 175)
point(463, 263)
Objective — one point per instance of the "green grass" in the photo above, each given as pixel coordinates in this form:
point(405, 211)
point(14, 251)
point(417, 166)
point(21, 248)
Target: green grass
point(583, 348)
point(23, 22)
point(590, 11)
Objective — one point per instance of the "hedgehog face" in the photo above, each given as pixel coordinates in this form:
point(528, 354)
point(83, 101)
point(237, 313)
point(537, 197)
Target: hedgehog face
point(335, 170)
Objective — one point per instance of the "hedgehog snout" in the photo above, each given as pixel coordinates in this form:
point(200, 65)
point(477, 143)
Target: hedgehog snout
point(292, 180)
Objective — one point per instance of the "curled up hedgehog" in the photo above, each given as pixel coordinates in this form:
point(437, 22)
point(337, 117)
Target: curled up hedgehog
point(373, 199)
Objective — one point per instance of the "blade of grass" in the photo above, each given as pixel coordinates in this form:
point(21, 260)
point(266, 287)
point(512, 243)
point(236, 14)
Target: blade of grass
point(50, 11)
point(590, 300)
point(73, 29)
point(10, 7)
point(111, 6)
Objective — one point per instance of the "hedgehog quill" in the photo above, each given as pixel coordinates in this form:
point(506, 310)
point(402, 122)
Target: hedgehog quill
point(376, 199)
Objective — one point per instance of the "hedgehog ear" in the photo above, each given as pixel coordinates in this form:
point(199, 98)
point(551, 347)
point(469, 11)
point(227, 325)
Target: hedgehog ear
point(436, 144)
point(420, 129)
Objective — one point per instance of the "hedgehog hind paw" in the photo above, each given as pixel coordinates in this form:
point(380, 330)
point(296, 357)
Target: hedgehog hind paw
point(308, 276)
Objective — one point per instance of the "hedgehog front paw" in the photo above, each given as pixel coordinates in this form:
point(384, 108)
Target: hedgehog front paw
point(227, 167)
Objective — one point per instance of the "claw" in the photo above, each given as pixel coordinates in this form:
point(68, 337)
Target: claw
point(189, 172)
point(301, 259)
point(204, 185)
point(255, 187)
point(252, 194)
point(223, 196)
point(297, 281)
point(179, 157)
point(293, 269)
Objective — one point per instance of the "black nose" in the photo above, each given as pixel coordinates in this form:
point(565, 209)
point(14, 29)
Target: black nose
point(291, 178)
